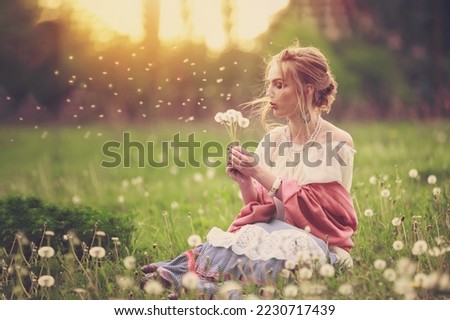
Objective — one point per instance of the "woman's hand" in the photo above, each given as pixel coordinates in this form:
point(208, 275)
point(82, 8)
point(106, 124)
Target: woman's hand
point(244, 162)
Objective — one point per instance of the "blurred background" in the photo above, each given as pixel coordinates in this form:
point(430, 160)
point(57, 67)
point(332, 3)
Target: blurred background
point(130, 61)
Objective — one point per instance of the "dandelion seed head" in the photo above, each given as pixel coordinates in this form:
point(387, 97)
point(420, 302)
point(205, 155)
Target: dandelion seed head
point(285, 273)
point(390, 274)
point(368, 213)
point(373, 180)
point(289, 264)
point(100, 234)
point(379, 264)
point(385, 193)
point(174, 205)
point(97, 252)
point(49, 233)
point(305, 273)
point(290, 291)
point(403, 286)
point(419, 247)
point(396, 222)
point(436, 191)
point(398, 245)
point(153, 288)
point(345, 289)
point(121, 199)
point(190, 281)
point(46, 252)
point(405, 267)
point(124, 282)
point(327, 270)
point(431, 179)
point(421, 280)
point(194, 240)
point(46, 281)
point(198, 177)
point(413, 173)
point(129, 262)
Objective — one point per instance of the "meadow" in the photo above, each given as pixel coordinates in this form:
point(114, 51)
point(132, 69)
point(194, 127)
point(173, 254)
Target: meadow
point(400, 191)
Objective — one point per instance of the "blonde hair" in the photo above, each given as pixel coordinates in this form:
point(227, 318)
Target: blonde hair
point(305, 66)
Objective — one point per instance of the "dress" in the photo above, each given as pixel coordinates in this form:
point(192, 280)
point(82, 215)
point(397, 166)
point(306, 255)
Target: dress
point(316, 179)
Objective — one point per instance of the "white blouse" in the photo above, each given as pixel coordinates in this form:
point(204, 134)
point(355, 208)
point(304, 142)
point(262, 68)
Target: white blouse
point(314, 163)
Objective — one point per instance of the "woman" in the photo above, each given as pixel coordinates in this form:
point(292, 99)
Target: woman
point(295, 187)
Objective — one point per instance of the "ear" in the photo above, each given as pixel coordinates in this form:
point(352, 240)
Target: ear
point(309, 90)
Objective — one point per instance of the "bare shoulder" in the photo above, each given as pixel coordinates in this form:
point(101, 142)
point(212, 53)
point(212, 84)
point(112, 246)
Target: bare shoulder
point(338, 134)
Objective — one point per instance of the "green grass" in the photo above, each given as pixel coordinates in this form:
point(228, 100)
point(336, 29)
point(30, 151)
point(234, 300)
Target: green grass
point(62, 166)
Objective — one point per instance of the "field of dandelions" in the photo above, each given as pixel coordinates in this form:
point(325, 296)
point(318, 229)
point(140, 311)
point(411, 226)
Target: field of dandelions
point(400, 191)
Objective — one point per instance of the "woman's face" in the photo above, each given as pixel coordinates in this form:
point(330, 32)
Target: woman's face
point(281, 93)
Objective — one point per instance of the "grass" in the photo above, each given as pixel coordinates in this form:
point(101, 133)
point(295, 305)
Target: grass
point(62, 166)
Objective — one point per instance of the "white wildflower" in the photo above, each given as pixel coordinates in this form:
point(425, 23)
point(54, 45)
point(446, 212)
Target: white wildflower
point(373, 180)
point(97, 252)
point(129, 262)
point(46, 252)
point(397, 245)
point(305, 273)
point(379, 264)
point(345, 289)
point(368, 213)
point(419, 247)
point(385, 193)
point(46, 281)
point(406, 267)
point(76, 199)
point(432, 179)
point(413, 173)
point(124, 283)
point(396, 222)
point(389, 274)
point(436, 191)
point(326, 270)
point(290, 291)
point(153, 287)
point(189, 281)
point(194, 240)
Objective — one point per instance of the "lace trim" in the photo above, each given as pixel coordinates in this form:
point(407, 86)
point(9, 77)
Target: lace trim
point(258, 244)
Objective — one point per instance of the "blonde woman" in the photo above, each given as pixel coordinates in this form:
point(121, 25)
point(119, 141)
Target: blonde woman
point(295, 187)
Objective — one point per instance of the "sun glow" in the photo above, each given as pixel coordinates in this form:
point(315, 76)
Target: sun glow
point(193, 20)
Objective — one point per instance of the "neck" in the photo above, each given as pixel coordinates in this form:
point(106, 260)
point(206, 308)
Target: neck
point(301, 131)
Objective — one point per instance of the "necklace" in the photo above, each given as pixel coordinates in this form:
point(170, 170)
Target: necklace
point(315, 133)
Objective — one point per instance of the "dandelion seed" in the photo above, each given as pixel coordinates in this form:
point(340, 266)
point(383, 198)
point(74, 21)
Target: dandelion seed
point(189, 281)
point(379, 264)
point(76, 200)
point(368, 213)
point(129, 262)
point(124, 283)
point(285, 273)
point(97, 252)
point(345, 289)
point(174, 205)
point(290, 291)
point(49, 233)
point(403, 286)
point(419, 247)
point(413, 173)
point(421, 280)
point(198, 177)
point(406, 267)
point(229, 286)
point(100, 234)
point(398, 245)
point(436, 192)
point(289, 264)
point(114, 239)
point(385, 193)
point(153, 288)
point(46, 252)
point(194, 240)
point(431, 179)
point(326, 270)
point(121, 199)
point(396, 222)
point(434, 252)
point(46, 281)
point(390, 274)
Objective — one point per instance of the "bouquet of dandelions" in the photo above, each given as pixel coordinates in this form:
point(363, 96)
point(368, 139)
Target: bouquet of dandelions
point(233, 121)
